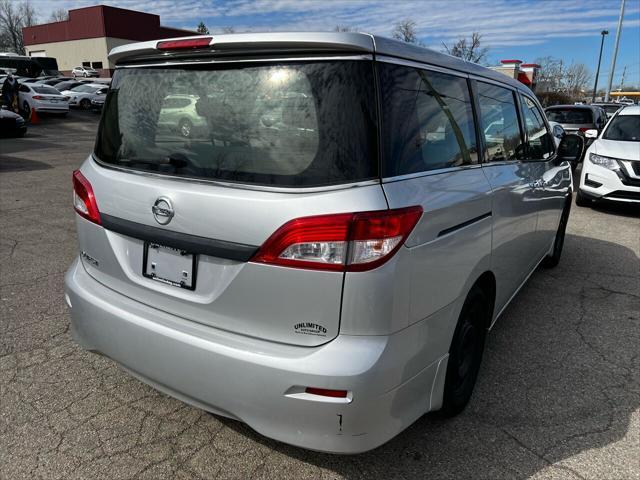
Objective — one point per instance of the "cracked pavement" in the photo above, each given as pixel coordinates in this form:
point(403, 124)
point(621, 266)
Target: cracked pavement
point(558, 395)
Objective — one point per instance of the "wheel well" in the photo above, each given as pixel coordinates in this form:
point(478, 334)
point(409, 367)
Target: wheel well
point(487, 283)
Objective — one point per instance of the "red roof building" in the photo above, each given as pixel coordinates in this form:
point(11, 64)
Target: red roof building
point(88, 35)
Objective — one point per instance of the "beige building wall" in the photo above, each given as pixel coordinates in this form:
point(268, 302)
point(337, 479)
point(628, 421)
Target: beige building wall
point(72, 53)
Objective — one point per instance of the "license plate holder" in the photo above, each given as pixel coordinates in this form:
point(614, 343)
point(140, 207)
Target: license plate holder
point(169, 265)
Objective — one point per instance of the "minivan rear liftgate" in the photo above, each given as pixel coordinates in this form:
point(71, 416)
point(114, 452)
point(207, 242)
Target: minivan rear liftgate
point(247, 220)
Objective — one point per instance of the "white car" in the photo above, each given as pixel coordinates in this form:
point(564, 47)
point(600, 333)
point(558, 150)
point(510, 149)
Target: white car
point(82, 95)
point(42, 98)
point(84, 72)
point(611, 168)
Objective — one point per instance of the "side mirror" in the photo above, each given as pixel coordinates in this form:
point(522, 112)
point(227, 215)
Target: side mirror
point(592, 133)
point(571, 148)
point(558, 131)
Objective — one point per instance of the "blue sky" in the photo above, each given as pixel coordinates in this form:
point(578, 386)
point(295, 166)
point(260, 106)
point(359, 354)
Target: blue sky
point(522, 29)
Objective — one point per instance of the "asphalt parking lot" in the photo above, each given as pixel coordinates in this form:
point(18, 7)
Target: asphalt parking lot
point(558, 395)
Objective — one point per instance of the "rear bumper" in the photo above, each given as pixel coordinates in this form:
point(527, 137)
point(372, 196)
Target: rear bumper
point(63, 107)
point(262, 383)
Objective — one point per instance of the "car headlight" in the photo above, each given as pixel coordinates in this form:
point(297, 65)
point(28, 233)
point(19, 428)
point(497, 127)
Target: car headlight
point(606, 162)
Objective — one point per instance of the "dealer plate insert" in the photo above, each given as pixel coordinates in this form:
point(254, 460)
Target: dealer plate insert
point(169, 265)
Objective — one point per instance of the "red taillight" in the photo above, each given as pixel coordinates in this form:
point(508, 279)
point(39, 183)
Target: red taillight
point(37, 97)
point(584, 129)
point(324, 392)
point(84, 201)
point(185, 44)
point(352, 242)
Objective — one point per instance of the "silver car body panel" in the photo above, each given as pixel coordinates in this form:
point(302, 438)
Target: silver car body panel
point(230, 345)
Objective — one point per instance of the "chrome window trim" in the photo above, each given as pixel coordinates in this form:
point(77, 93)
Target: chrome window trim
point(427, 173)
point(493, 82)
point(270, 59)
point(237, 185)
point(420, 65)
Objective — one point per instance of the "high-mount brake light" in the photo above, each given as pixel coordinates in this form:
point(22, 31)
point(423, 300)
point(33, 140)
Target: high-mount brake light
point(186, 44)
point(351, 242)
point(84, 201)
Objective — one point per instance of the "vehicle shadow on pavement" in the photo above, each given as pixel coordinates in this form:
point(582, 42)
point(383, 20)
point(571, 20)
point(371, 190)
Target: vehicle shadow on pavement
point(15, 164)
point(559, 384)
point(619, 209)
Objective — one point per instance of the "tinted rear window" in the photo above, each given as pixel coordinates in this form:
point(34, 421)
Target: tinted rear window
point(570, 115)
point(46, 90)
point(280, 124)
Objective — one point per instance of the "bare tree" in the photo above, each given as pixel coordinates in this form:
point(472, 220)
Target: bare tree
point(471, 50)
point(345, 28)
point(13, 17)
point(59, 15)
point(577, 77)
point(405, 30)
point(228, 29)
point(555, 76)
point(202, 28)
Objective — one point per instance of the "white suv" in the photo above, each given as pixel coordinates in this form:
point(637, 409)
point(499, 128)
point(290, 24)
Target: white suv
point(84, 72)
point(611, 168)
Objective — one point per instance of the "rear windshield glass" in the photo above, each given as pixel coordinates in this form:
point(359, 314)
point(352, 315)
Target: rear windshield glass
point(280, 124)
point(85, 88)
point(624, 128)
point(46, 90)
point(570, 115)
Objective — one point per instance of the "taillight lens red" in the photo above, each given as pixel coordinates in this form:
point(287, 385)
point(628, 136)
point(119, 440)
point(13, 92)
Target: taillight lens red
point(84, 201)
point(352, 242)
point(37, 97)
point(187, 43)
point(583, 129)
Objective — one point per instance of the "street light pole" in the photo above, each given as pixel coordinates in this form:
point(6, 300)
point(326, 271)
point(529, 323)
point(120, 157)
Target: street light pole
point(595, 85)
point(615, 52)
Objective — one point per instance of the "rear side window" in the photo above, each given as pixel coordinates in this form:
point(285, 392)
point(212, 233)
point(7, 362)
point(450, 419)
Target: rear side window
point(279, 124)
point(570, 115)
point(427, 120)
point(499, 116)
point(539, 140)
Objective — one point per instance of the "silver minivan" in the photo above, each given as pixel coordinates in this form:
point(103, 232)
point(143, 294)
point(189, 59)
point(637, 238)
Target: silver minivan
point(324, 262)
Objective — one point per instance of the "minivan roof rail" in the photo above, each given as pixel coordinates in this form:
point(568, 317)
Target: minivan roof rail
point(312, 42)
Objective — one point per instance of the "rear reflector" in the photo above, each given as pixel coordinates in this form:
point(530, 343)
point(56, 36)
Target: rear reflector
point(84, 201)
point(324, 392)
point(185, 44)
point(352, 242)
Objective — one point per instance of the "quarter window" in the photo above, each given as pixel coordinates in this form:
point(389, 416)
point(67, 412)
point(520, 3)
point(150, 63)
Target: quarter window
point(539, 140)
point(427, 120)
point(499, 119)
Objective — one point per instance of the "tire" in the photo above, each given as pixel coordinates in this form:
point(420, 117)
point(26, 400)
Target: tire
point(26, 108)
point(552, 260)
point(581, 200)
point(85, 104)
point(85, 75)
point(185, 128)
point(465, 353)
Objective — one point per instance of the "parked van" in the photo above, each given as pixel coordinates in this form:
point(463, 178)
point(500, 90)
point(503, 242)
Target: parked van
point(325, 262)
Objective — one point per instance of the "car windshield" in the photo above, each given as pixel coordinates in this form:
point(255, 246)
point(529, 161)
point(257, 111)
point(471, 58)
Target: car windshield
point(46, 90)
point(624, 128)
point(280, 124)
point(570, 115)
